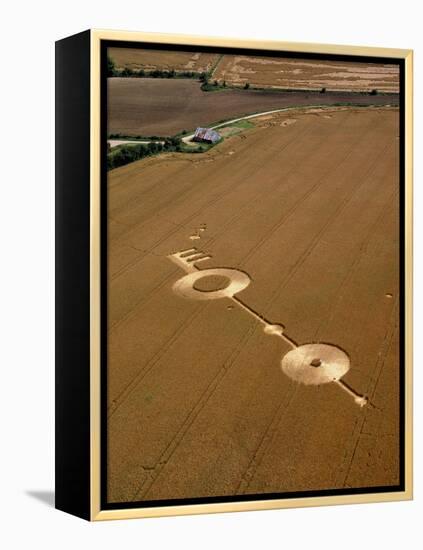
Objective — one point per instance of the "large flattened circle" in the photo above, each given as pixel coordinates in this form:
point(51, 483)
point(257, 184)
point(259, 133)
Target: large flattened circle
point(238, 280)
point(315, 364)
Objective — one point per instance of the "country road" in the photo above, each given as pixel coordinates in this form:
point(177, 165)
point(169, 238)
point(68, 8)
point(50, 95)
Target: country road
point(187, 139)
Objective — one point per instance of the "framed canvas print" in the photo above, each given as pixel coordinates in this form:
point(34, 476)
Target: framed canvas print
point(233, 280)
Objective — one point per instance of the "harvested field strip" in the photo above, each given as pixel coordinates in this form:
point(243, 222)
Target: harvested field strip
point(191, 427)
point(307, 74)
point(137, 58)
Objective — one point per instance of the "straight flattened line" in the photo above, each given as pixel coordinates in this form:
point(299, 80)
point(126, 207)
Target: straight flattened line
point(153, 201)
point(137, 194)
point(330, 221)
point(198, 407)
point(350, 274)
point(266, 440)
point(111, 218)
point(145, 299)
point(120, 399)
point(387, 343)
point(362, 257)
point(247, 205)
point(296, 205)
point(355, 263)
point(394, 327)
point(390, 331)
point(313, 242)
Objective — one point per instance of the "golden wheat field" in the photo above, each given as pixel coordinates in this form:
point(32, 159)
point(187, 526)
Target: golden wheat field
point(306, 205)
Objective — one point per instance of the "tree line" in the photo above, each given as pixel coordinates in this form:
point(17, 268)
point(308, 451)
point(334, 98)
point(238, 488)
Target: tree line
point(204, 76)
point(153, 73)
point(131, 152)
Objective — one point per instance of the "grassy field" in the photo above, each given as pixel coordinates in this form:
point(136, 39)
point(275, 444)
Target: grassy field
point(243, 124)
point(198, 404)
point(164, 107)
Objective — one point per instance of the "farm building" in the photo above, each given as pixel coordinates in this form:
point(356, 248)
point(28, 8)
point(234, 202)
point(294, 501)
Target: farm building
point(206, 135)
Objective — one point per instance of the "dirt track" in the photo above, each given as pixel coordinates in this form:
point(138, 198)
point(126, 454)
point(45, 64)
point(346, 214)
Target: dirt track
point(198, 404)
point(163, 107)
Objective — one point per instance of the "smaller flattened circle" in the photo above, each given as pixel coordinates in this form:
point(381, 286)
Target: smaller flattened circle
point(185, 285)
point(274, 329)
point(315, 364)
point(211, 283)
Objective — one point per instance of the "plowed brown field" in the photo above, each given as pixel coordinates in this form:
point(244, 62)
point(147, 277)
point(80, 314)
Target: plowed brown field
point(198, 403)
point(163, 107)
point(307, 74)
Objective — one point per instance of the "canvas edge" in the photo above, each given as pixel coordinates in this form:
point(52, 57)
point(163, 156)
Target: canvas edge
point(97, 514)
